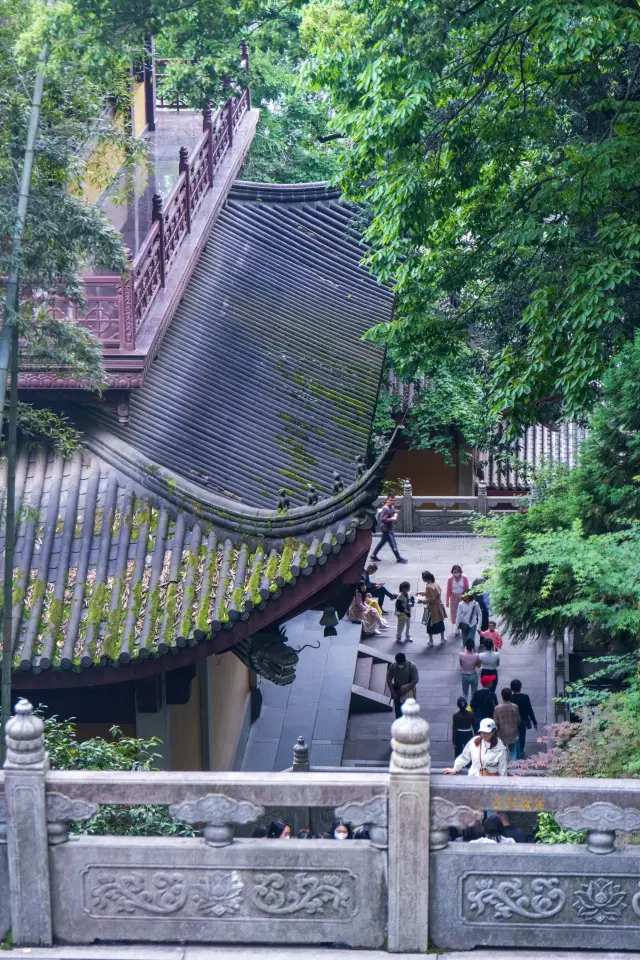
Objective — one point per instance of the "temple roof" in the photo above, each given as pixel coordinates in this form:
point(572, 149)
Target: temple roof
point(262, 380)
point(162, 541)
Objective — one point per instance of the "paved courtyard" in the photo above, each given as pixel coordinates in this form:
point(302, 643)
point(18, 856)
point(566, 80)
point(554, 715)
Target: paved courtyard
point(439, 687)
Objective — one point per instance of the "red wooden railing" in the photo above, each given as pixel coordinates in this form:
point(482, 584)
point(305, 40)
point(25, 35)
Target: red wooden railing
point(117, 307)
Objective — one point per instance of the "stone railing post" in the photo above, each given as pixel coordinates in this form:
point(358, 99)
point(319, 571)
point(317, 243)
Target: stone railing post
point(408, 836)
point(482, 497)
point(407, 507)
point(300, 756)
point(25, 767)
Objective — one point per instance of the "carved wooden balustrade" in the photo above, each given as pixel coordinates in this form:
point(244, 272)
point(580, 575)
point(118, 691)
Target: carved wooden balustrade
point(117, 307)
point(407, 885)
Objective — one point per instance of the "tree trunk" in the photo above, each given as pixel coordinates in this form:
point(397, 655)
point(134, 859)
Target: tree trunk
point(9, 352)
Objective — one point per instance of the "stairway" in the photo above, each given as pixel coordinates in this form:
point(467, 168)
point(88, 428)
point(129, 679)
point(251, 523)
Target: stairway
point(368, 692)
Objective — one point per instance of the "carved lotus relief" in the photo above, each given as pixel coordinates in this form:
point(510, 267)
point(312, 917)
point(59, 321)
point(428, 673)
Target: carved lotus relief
point(219, 894)
point(599, 900)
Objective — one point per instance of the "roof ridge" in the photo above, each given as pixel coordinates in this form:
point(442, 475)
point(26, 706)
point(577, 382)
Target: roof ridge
point(283, 192)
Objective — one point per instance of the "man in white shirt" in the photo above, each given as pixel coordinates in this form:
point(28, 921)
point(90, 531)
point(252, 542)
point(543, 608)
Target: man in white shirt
point(487, 755)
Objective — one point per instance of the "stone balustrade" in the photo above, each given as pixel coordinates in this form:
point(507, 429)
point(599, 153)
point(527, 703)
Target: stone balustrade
point(421, 514)
point(406, 887)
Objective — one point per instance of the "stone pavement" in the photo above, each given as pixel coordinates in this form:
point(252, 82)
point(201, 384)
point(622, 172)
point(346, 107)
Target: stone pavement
point(439, 686)
point(151, 952)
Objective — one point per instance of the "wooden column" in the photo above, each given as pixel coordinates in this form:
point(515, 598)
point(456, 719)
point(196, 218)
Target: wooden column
point(207, 127)
point(229, 111)
point(184, 168)
point(156, 214)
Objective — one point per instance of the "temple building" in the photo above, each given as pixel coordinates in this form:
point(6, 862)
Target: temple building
point(224, 481)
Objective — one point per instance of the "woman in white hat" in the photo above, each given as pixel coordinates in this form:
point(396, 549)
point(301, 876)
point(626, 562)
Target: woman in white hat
point(487, 755)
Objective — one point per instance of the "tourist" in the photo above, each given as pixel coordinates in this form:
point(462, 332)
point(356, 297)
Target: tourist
point(486, 754)
point(484, 701)
point(516, 833)
point(434, 610)
point(492, 634)
point(467, 617)
point(388, 516)
point(361, 612)
point(377, 590)
point(279, 830)
point(260, 832)
point(493, 832)
point(402, 679)
point(463, 726)
point(507, 718)
point(362, 833)
point(404, 605)
point(341, 830)
point(527, 716)
point(305, 834)
point(469, 662)
point(482, 599)
point(490, 661)
point(456, 586)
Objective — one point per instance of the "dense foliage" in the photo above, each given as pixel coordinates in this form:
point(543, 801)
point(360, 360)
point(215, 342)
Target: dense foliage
point(496, 147)
point(118, 753)
point(572, 559)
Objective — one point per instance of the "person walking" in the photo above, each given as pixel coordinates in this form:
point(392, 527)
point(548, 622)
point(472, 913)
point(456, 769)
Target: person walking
point(402, 680)
point(490, 661)
point(377, 590)
point(507, 718)
point(469, 663)
point(492, 634)
point(463, 726)
point(485, 755)
point(404, 605)
point(484, 701)
point(456, 585)
point(434, 609)
point(527, 716)
point(388, 516)
point(468, 617)
point(482, 599)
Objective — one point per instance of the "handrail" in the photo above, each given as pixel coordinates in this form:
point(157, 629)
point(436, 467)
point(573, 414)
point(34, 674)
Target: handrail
point(117, 316)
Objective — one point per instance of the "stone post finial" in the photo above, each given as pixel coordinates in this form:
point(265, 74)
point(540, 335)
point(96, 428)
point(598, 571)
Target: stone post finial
point(407, 507)
point(24, 737)
point(410, 740)
point(300, 755)
point(482, 497)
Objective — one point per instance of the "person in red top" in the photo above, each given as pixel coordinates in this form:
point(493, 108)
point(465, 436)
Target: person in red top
point(492, 634)
point(457, 584)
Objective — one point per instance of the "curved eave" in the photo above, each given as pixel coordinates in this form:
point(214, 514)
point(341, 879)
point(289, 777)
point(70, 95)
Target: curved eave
point(237, 519)
point(311, 581)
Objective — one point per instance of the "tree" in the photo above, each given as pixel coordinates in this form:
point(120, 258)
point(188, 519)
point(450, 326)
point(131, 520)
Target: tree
point(496, 148)
point(572, 560)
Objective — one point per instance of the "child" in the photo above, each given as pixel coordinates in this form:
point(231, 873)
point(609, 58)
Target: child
point(404, 603)
point(492, 634)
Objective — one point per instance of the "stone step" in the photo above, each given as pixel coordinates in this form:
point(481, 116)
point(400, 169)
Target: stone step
point(379, 678)
point(144, 951)
point(362, 676)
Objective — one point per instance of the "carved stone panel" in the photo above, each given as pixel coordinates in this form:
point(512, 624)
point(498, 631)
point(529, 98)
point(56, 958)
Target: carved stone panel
point(488, 894)
point(168, 890)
